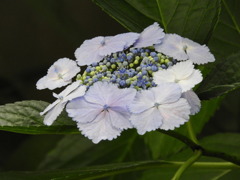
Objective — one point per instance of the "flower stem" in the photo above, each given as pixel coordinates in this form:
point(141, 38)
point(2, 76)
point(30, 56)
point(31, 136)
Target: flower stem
point(191, 133)
point(187, 164)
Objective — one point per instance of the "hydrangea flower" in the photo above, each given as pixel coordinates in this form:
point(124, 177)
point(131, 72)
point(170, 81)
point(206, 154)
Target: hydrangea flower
point(59, 74)
point(94, 50)
point(54, 110)
point(131, 80)
point(184, 49)
point(182, 73)
point(151, 35)
point(159, 107)
point(102, 113)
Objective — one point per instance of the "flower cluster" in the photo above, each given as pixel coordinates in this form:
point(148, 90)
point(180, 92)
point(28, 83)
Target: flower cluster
point(131, 80)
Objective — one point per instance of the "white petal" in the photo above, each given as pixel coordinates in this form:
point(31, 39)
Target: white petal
point(50, 106)
point(189, 82)
point(69, 89)
point(172, 46)
point(41, 83)
point(52, 114)
point(174, 114)
point(182, 70)
point(166, 93)
point(148, 120)
point(65, 68)
point(193, 101)
point(119, 117)
point(129, 38)
point(143, 101)
point(80, 91)
point(83, 111)
point(111, 45)
point(151, 35)
point(88, 52)
point(99, 129)
point(200, 55)
point(163, 76)
point(108, 93)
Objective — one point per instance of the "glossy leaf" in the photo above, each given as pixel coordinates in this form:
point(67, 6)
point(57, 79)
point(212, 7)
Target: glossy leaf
point(223, 78)
point(189, 18)
point(24, 117)
point(126, 15)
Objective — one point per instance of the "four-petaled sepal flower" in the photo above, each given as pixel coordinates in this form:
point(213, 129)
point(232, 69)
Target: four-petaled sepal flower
point(159, 107)
point(102, 113)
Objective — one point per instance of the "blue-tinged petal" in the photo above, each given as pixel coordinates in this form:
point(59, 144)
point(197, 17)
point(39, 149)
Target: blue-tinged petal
point(162, 76)
point(129, 38)
point(148, 120)
point(100, 128)
point(111, 45)
point(119, 117)
point(150, 36)
point(83, 111)
point(193, 101)
point(143, 101)
point(172, 46)
point(53, 113)
point(88, 52)
point(166, 93)
point(174, 114)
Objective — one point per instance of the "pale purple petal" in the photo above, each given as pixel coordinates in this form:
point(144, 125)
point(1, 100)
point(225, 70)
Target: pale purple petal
point(119, 117)
point(172, 46)
point(78, 92)
point(193, 101)
point(111, 45)
point(129, 38)
point(99, 129)
point(88, 52)
point(148, 120)
point(83, 111)
point(53, 113)
point(174, 114)
point(143, 101)
point(151, 35)
point(107, 93)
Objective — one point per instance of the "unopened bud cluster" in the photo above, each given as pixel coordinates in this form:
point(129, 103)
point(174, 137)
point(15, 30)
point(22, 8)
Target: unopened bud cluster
point(129, 68)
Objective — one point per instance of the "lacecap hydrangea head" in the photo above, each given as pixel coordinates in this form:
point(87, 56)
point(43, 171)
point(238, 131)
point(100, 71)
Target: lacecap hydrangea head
point(131, 80)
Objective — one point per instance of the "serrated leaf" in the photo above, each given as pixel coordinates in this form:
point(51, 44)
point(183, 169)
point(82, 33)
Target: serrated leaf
point(24, 117)
point(223, 78)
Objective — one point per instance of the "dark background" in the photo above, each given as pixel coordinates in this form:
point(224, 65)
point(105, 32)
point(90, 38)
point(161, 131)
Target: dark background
point(36, 33)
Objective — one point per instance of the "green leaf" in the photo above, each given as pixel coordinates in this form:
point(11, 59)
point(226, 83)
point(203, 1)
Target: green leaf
point(24, 117)
point(226, 37)
point(84, 173)
point(76, 151)
point(226, 143)
point(125, 14)
point(189, 18)
point(223, 78)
